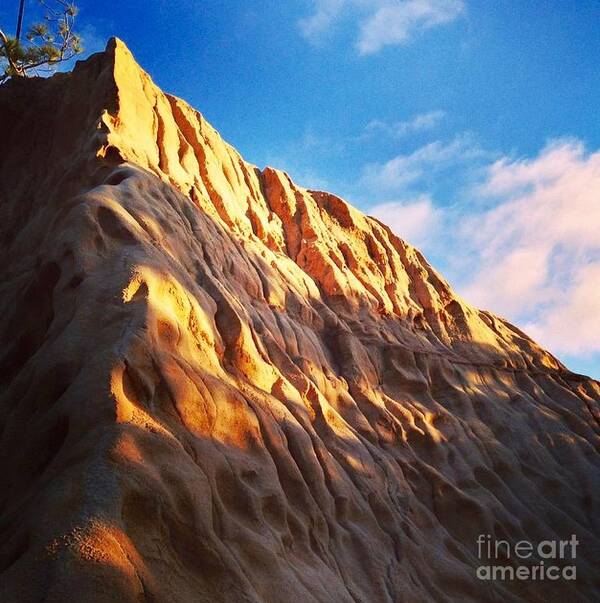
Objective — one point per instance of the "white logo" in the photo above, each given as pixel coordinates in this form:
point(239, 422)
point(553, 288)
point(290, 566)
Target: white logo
point(541, 564)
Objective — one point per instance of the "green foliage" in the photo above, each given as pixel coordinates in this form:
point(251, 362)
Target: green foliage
point(46, 44)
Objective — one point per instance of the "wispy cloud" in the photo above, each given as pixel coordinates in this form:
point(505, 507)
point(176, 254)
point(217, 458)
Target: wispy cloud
point(419, 123)
point(538, 248)
point(517, 236)
point(572, 324)
point(380, 23)
point(416, 219)
point(327, 12)
point(396, 174)
point(524, 244)
point(299, 156)
point(398, 22)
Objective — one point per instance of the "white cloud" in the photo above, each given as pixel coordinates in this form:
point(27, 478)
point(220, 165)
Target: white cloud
point(513, 284)
point(396, 23)
point(557, 159)
point(326, 13)
point(538, 248)
point(519, 237)
point(531, 253)
point(572, 324)
point(417, 220)
point(399, 172)
point(380, 22)
point(418, 123)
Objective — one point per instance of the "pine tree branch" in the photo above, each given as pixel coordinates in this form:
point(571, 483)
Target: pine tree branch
point(47, 43)
point(14, 68)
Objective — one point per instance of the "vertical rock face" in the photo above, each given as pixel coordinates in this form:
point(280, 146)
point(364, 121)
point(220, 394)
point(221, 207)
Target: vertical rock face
point(220, 386)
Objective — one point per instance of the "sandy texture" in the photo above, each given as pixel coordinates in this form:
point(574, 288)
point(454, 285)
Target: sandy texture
point(220, 386)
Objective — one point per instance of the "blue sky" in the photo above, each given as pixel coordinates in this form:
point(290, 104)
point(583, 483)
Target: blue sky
point(470, 126)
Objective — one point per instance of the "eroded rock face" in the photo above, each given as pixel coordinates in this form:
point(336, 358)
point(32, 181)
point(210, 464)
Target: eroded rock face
point(220, 386)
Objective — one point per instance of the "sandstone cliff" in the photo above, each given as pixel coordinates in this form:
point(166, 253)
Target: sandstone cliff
point(220, 386)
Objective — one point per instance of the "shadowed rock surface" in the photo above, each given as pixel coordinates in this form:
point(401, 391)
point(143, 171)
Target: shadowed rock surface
point(220, 386)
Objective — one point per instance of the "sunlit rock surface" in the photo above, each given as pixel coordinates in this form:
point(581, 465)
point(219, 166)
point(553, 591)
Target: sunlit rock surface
point(220, 386)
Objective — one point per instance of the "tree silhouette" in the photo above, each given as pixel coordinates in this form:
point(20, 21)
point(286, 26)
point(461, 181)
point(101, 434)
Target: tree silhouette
point(46, 44)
